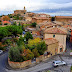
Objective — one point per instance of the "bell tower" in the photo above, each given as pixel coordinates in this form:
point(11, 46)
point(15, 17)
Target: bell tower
point(24, 7)
point(24, 10)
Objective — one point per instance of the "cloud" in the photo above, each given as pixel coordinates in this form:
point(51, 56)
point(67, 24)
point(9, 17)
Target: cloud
point(33, 5)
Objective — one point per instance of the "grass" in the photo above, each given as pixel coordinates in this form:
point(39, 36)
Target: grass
point(71, 68)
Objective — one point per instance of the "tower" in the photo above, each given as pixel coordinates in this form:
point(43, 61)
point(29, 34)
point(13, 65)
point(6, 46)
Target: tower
point(24, 7)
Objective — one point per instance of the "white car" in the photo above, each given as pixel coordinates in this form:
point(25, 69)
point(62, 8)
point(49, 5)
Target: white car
point(1, 51)
point(57, 63)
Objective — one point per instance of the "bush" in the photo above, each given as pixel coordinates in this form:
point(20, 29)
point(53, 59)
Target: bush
point(2, 48)
point(35, 52)
point(34, 24)
point(14, 23)
point(14, 55)
point(41, 47)
point(21, 49)
point(28, 36)
point(71, 68)
point(33, 42)
point(29, 55)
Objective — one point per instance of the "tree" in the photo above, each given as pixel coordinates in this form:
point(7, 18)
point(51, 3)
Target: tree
point(35, 52)
point(14, 55)
point(41, 47)
point(8, 42)
point(10, 15)
point(21, 49)
point(19, 24)
point(28, 36)
point(33, 43)
point(14, 30)
point(3, 32)
point(52, 18)
point(34, 24)
point(14, 23)
point(29, 55)
point(6, 18)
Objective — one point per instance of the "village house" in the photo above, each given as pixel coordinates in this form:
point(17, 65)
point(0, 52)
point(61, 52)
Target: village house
point(26, 16)
point(64, 19)
point(39, 18)
point(46, 25)
point(52, 46)
point(35, 33)
point(57, 34)
point(6, 23)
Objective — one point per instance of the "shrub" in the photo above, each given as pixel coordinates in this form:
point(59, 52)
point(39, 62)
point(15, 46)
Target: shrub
point(35, 52)
point(30, 56)
point(41, 47)
point(21, 49)
point(33, 42)
point(71, 68)
point(14, 55)
point(34, 24)
point(28, 36)
point(14, 23)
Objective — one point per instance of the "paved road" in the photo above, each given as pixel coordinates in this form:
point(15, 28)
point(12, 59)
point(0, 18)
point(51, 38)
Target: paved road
point(42, 66)
point(3, 59)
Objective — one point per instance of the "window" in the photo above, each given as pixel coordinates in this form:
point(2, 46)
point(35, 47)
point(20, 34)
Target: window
point(60, 49)
point(24, 13)
point(53, 35)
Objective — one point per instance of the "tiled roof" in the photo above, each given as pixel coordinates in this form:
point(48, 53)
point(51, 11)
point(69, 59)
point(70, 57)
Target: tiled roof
point(63, 16)
point(49, 41)
point(6, 22)
point(40, 17)
point(54, 31)
point(67, 26)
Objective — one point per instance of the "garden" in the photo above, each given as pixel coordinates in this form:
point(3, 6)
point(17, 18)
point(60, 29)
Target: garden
point(27, 50)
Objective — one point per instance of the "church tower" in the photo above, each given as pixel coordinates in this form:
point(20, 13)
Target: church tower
point(24, 10)
point(24, 7)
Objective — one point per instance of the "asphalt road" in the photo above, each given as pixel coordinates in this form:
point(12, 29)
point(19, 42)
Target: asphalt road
point(39, 67)
point(3, 59)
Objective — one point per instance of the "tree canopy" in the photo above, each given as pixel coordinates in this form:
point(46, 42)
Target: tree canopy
point(28, 36)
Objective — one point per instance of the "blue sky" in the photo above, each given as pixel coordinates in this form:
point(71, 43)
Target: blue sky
point(52, 7)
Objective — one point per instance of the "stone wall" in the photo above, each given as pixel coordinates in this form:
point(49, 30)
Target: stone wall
point(59, 37)
point(53, 48)
point(27, 63)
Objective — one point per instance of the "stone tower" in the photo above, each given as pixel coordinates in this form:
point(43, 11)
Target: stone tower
point(24, 7)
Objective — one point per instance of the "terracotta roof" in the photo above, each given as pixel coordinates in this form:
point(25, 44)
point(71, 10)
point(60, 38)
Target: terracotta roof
point(49, 41)
point(6, 22)
point(67, 26)
point(40, 18)
point(63, 16)
point(43, 14)
point(54, 31)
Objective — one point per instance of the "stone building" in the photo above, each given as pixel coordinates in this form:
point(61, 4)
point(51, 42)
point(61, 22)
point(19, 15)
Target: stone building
point(52, 46)
point(57, 34)
point(20, 11)
point(63, 18)
point(40, 19)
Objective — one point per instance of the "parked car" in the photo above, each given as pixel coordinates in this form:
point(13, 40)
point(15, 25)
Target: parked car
point(58, 63)
point(1, 51)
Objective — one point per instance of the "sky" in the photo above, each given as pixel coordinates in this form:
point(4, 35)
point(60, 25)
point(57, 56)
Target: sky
point(52, 7)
